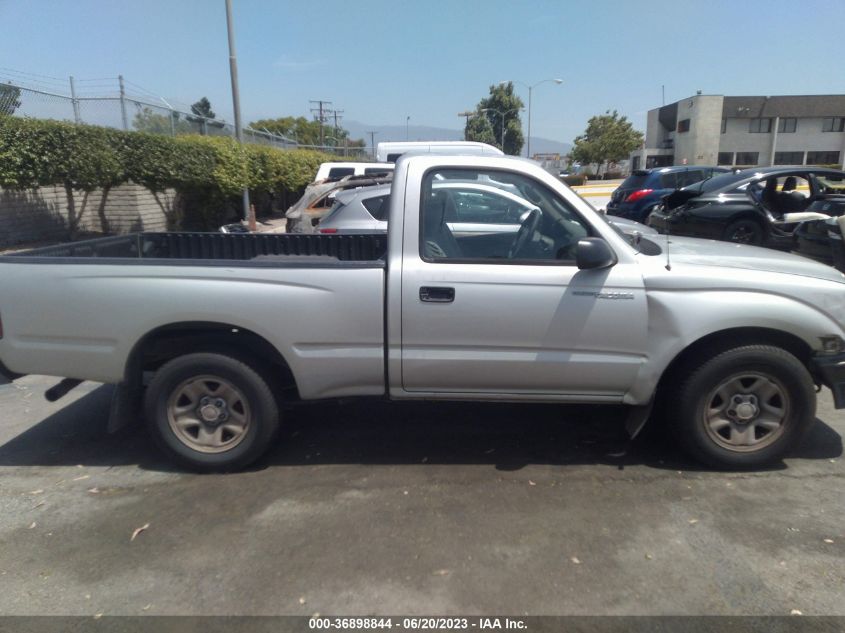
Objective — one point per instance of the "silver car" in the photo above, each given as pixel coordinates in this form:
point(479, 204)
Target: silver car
point(365, 210)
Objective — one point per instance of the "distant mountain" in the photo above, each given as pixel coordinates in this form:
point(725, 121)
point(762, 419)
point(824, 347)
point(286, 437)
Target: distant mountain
point(428, 133)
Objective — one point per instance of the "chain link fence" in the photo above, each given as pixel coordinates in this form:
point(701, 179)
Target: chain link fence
point(123, 111)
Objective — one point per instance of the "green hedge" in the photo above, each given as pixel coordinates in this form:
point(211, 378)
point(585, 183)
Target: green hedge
point(210, 172)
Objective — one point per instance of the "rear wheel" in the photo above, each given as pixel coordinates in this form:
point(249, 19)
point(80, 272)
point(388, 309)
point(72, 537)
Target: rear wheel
point(211, 412)
point(745, 407)
point(745, 232)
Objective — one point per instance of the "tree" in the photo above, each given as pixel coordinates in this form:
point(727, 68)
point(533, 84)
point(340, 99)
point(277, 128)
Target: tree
point(608, 138)
point(503, 103)
point(203, 108)
point(10, 99)
point(501, 106)
point(146, 120)
point(479, 128)
point(305, 132)
point(299, 129)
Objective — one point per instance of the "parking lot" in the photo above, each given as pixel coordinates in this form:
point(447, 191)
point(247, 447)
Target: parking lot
point(371, 507)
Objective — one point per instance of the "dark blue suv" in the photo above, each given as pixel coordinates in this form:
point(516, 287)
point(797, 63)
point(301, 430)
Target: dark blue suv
point(640, 192)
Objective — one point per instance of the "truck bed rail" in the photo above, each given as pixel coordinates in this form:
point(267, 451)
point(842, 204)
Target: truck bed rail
point(220, 246)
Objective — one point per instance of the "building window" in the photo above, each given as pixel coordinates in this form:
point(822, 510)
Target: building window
point(746, 158)
point(724, 125)
point(833, 124)
point(726, 158)
point(759, 126)
point(789, 158)
point(683, 125)
point(822, 158)
point(787, 125)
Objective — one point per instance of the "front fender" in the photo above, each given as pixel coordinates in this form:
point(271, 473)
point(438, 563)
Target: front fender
point(678, 319)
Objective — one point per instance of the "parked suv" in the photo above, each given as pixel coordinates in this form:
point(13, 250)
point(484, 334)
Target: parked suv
point(640, 192)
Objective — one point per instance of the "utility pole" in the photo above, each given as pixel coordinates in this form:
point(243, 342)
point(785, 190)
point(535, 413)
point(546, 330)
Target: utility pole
point(467, 114)
point(236, 103)
point(76, 117)
point(123, 102)
point(320, 114)
point(372, 134)
point(407, 121)
point(337, 114)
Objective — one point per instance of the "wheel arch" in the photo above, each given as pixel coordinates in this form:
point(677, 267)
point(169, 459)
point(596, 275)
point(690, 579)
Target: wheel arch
point(716, 342)
point(169, 341)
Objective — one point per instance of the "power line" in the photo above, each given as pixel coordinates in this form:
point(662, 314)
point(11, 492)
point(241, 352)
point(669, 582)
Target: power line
point(28, 74)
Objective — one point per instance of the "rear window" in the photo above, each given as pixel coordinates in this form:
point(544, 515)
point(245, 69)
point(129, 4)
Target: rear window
point(637, 180)
point(669, 181)
point(377, 207)
point(336, 173)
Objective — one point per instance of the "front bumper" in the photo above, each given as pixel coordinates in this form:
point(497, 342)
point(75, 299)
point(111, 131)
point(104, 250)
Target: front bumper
point(830, 369)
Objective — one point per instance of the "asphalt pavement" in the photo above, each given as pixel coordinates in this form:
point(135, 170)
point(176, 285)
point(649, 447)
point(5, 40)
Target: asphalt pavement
point(379, 508)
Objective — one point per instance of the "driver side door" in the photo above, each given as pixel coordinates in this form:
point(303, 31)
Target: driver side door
point(530, 326)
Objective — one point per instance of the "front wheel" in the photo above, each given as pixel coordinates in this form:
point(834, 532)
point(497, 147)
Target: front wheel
point(211, 412)
point(745, 407)
point(745, 232)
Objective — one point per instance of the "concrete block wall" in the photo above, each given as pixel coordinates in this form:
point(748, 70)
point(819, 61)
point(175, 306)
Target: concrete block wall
point(36, 215)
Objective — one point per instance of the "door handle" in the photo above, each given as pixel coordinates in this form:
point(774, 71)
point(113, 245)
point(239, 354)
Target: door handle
point(437, 294)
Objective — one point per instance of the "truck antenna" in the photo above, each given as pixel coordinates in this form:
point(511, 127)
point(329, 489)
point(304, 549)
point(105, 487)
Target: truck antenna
point(668, 241)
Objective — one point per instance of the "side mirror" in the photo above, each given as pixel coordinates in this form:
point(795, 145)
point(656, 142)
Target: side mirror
point(593, 252)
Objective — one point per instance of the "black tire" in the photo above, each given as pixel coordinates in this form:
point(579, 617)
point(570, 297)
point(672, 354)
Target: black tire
point(745, 232)
point(742, 443)
point(248, 405)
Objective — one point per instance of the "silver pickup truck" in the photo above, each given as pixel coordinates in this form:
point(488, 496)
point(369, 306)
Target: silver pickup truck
point(211, 333)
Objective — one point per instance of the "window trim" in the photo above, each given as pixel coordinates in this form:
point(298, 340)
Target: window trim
point(591, 232)
point(759, 122)
point(798, 152)
point(834, 128)
point(782, 124)
point(754, 164)
point(824, 151)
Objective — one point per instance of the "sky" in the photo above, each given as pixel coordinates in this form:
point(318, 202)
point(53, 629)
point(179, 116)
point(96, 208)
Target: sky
point(381, 61)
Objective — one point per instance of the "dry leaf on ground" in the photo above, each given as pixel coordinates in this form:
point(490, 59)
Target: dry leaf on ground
point(138, 531)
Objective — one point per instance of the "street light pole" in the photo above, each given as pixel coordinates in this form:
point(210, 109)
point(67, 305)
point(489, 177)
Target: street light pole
point(407, 120)
point(236, 97)
point(503, 116)
point(530, 90)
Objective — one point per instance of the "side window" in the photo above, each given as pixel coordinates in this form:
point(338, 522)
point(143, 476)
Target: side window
point(794, 184)
point(373, 171)
point(336, 173)
point(690, 177)
point(669, 181)
point(377, 207)
point(495, 217)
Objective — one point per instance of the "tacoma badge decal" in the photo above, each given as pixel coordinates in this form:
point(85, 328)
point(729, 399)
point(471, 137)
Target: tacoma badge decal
point(604, 295)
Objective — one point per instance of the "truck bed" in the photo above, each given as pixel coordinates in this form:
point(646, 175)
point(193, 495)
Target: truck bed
point(77, 310)
point(192, 248)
